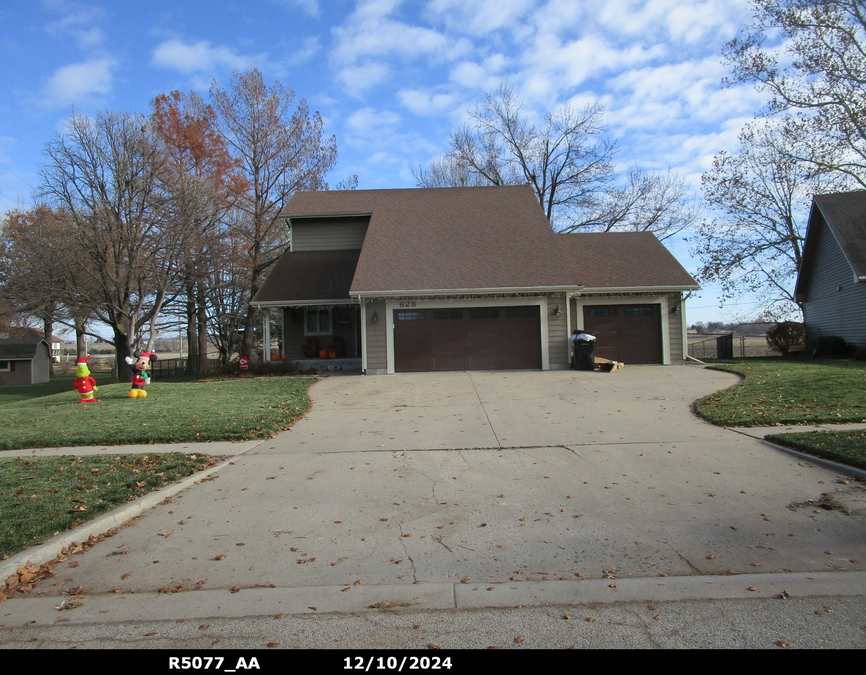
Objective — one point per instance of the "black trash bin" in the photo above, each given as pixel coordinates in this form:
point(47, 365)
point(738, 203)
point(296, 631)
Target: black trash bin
point(584, 350)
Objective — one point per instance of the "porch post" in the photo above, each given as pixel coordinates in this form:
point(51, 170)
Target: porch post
point(363, 337)
point(282, 332)
point(266, 335)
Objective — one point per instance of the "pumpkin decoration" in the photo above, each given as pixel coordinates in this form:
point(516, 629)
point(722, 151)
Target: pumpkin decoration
point(323, 354)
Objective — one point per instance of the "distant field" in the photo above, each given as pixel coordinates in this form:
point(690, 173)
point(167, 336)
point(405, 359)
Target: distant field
point(704, 346)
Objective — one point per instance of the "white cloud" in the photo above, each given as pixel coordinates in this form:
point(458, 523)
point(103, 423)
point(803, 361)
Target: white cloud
point(370, 40)
point(427, 103)
point(79, 23)
point(371, 126)
point(480, 17)
point(79, 82)
point(480, 76)
point(198, 57)
point(359, 78)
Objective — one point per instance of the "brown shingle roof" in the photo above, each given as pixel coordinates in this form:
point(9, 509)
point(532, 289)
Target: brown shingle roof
point(310, 275)
point(447, 239)
point(623, 260)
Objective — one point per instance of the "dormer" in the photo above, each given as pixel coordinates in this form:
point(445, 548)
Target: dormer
point(328, 233)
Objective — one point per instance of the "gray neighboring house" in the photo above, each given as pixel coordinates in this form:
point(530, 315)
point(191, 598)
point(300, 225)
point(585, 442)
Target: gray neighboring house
point(24, 361)
point(830, 285)
point(428, 279)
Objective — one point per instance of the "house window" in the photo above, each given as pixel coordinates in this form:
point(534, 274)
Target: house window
point(5, 367)
point(317, 322)
point(602, 311)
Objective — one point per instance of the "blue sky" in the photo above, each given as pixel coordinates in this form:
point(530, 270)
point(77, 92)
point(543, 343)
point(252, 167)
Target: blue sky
point(391, 79)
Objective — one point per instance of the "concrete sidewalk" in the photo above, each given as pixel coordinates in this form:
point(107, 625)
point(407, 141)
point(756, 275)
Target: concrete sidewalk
point(477, 490)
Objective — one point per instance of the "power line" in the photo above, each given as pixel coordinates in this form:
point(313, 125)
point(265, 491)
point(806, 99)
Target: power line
point(17, 176)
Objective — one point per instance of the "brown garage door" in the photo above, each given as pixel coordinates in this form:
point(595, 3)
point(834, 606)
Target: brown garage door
point(486, 338)
point(627, 333)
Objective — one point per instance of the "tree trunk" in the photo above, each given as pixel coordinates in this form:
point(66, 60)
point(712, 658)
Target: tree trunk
point(191, 341)
point(202, 327)
point(47, 328)
point(80, 340)
point(122, 348)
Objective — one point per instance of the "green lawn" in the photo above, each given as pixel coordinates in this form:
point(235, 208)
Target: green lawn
point(847, 447)
point(40, 497)
point(781, 391)
point(235, 409)
point(25, 392)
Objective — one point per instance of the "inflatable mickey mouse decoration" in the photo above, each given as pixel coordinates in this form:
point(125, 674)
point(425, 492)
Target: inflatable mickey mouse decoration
point(140, 377)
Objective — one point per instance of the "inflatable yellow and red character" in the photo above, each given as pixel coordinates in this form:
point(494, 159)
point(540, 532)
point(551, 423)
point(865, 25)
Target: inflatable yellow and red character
point(140, 377)
point(85, 384)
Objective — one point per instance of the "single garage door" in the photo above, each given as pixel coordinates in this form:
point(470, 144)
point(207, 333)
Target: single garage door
point(627, 333)
point(486, 338)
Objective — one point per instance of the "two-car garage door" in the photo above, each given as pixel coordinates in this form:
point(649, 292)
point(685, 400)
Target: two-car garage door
point(478, 338)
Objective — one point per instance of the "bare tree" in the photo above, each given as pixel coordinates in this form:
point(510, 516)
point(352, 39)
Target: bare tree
point(760, 198)
point(203, 181)
point(104, 172)
point(567, 159)
point(818, 73)
point(281, 152)
point(31, 242)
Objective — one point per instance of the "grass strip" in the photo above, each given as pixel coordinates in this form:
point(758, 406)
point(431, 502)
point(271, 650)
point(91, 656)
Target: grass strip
point(235, 409)
point(846, 447)
point(778, 391)
point(43, 496)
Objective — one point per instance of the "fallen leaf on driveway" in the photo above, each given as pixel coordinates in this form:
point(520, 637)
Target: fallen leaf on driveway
point(166, 534)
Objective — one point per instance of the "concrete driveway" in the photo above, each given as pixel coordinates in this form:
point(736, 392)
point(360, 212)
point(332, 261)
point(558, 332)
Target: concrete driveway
point(472, 490)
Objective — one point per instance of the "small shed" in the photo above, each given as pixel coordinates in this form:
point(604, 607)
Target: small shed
point(24, 361)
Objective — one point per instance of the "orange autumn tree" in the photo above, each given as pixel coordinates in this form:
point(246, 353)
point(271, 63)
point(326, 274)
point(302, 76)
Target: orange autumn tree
point(204, 181)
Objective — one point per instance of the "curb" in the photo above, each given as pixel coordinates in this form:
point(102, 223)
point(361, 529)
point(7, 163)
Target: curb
point(50, 549)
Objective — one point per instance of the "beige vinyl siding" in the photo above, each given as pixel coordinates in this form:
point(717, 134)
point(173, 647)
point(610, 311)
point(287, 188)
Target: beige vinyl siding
point(834, 302)
point(557, 333)
point(675, 328)
point(328, 234)
point(294, 338)
point(377, 350)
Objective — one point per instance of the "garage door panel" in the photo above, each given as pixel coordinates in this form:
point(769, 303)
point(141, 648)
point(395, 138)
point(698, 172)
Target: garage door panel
point(627, 333)
point(487, 338)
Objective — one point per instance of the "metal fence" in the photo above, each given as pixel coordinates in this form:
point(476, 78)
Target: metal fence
point(729, 346)
point(167, 368)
